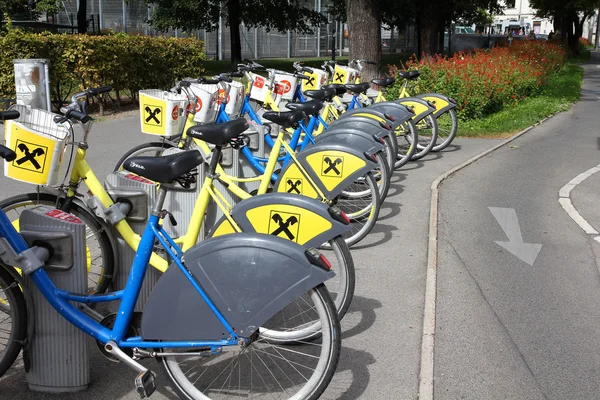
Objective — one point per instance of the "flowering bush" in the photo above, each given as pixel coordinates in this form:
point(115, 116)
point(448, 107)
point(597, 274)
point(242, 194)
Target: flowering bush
point(484, 81)
point(583, 42)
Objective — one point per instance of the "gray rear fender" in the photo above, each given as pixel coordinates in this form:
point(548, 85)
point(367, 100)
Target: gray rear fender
point(422, 108)
point(331, 166)
point(300, 219)
point(442, 103)
point(248, 277)
point(353, 138)
point(365, 124)
point(399, 111)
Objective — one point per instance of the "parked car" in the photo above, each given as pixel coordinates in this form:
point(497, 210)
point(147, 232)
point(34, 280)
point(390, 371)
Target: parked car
point(541, 36)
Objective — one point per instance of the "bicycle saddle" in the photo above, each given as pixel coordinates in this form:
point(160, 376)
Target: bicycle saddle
point(219, 134)
point(339, 89)
point(310, 107)
point(358, 87)
point(164, 169)
point(385, 81)
point(286, 119)
point(321, 94)
point(409, 74)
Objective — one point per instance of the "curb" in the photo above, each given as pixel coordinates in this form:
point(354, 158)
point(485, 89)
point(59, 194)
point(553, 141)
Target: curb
point(428, 336)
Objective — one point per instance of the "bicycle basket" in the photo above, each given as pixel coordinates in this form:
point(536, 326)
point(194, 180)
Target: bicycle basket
point(260, 87)
point(206, 105)
point(39, 144)
point(315, 80)
point(286, 86)
point(161, 112)
point(235, 99)
point(344, 75)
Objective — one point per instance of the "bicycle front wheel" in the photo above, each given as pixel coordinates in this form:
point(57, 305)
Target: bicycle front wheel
point(13, 320)
point(447, 123)
point(264, 368)
point(99, 251)
point(427, 130)
point(406, 138)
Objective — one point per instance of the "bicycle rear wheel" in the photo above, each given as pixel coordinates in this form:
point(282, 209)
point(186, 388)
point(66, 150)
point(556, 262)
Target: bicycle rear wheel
point(427, 131)
point(406, 137)
point(265, 367)
point(13, 320)
point(447, 123)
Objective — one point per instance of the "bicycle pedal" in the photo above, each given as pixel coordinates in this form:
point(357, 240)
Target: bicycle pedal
point(145, 383)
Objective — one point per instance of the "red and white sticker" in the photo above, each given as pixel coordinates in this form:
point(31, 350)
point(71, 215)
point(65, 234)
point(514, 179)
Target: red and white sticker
point(259, 82)
point(63, 216)
point(198, 105)
point(279, 88)
point(221, 97)
point(138, 178)
point(175, 113)
point(287, 86)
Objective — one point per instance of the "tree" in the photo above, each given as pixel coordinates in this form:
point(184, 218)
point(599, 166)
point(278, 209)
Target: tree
point(52, 7)
point(188, 15)
point(16, 9)
point(569, 17)
point(364, 29)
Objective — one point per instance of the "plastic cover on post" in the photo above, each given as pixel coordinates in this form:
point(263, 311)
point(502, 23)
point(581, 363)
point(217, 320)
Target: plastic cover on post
point(59, 351)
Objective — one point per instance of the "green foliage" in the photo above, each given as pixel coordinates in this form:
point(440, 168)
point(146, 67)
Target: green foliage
point(485, 81)
point(122, 61)
point(17, 10)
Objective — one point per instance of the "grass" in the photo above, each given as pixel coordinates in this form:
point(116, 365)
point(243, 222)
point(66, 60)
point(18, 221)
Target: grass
point(562, 90)
point(215, 67)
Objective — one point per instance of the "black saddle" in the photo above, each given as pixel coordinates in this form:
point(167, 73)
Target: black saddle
point(219, 134)
point(358, 87)
point(339, 89)
point(164, 169)
point(286, 119)
point(409, 74)
point(310, 107)
point(321, 94)
point(385, 81)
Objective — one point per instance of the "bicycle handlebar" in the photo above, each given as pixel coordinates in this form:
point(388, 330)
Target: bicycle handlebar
point(7, 153)
point(10, 114)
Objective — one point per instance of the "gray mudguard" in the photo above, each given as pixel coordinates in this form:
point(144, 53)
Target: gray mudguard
point(300, 219)
point(421, 107)
point(249, 278)
point(442, 103)
point(399, 111)
point(359, 110)
point(365, 124)
point(353, 138)
point(331, 166)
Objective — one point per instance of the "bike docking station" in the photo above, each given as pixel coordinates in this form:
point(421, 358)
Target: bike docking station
point(56, 354)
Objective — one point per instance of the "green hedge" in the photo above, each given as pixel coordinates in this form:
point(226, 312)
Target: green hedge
point(122, 61)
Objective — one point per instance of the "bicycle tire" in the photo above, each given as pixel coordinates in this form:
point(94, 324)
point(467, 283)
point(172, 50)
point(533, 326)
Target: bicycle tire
point(104, 271)
point(406, 135)
point(137, 150)
point(427, 131)
point(383, 178)
point(238, 382)
point(391, 151)
point(447, 123)
point(11, 294)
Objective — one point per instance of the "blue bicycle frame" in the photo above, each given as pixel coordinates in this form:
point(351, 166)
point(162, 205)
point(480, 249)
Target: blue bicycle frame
point(60, 299)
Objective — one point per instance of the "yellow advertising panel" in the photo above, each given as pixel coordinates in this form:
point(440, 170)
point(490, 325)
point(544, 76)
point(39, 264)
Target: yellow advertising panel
point(294, 182)
point(333, 167)
point(439, 102)
point(340, 75)
point(288, 222)
point(153, 115)
point(417, 107)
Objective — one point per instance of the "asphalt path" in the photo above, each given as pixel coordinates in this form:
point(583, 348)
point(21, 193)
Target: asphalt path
point(526, 327)
point(382, 330)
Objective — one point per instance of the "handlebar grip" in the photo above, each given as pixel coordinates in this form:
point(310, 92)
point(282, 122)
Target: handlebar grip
point(100, 90)
point(236, 74)
point(300, 76)
point(306, 69)
point(185, 83)
point(79, 116)
point(7, 153)
point(10, 114)
point(224, 78)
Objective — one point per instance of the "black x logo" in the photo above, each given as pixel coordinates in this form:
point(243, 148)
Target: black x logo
point(332, 165)
point(30, 155)
point(284, 226)
point(339, 76)
point(310, 81)
point(294, 186)
point(152, 115)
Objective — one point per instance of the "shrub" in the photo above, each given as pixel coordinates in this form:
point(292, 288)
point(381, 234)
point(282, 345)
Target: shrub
point(125, 62)
point(484, 81)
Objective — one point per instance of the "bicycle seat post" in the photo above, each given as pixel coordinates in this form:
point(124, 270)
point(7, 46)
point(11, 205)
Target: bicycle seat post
point(160, 199)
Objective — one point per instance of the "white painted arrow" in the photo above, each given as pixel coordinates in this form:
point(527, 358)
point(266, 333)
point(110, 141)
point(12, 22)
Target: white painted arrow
point(507, 218)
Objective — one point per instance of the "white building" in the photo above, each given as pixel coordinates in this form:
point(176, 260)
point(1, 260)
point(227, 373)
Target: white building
point(518, 14)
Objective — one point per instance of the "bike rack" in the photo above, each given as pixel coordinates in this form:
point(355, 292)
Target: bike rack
point(58, 350)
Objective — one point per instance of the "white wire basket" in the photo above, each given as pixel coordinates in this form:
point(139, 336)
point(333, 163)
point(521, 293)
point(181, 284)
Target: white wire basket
point(39, 144)
point(235, 100)
point(206, 102)
point(161, 112)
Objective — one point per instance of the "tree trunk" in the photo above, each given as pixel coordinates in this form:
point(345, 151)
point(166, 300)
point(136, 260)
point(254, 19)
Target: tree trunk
point(573, 30)
point(233, 19)
point(364, 29)
point(81, 17)
point(429, 33)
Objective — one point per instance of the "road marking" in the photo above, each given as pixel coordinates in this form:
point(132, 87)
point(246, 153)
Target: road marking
point(509, 222)
point(564, 198)
point(428, 335)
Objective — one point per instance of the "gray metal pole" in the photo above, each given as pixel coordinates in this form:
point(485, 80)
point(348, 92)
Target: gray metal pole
point(255, 42)
point(319, 31)
point(220, 37)
point(341, 44)
point(124, 16)
point(289, 44)
point(100, 15)
point(598, 30)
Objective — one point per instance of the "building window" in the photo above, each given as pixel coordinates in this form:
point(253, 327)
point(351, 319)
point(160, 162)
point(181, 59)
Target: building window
point(510, 3)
